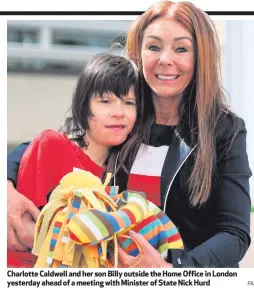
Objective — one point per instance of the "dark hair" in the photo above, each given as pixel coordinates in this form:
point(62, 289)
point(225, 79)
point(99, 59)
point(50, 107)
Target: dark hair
point(105, 73)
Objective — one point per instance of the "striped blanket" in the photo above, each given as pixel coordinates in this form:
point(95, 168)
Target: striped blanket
point(84, 219)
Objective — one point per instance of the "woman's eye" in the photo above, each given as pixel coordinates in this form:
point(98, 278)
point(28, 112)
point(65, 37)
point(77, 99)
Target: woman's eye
point(181, 50)
point(153, 48)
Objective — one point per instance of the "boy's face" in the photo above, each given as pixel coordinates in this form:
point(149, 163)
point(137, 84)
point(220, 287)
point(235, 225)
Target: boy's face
point(113, 119)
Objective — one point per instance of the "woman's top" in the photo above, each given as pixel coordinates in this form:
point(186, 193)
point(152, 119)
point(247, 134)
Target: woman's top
point(148, 172)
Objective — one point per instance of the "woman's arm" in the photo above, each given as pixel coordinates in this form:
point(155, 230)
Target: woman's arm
point(13, 161)
point(19, 237)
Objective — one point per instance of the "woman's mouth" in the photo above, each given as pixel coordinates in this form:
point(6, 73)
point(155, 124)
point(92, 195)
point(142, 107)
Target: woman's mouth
point(167, 77)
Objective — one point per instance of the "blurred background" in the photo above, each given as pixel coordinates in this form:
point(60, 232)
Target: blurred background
point(44, 59)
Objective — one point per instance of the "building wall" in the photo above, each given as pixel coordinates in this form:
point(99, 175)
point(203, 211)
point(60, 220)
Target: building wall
point(239, 68)
point(36, 102)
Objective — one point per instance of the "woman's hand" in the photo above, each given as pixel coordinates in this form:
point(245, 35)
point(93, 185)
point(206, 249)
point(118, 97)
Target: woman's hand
point(21, 217)
point(147, 258)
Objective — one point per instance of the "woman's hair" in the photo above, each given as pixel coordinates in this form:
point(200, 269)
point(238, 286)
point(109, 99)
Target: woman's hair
point(105, 73)
point(203, 102)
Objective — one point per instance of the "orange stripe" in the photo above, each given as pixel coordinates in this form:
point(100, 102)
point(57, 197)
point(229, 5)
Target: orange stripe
point(54, 235)
point(119, 220)
point(169, 225)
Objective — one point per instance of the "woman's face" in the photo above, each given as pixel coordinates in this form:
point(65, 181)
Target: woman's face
point(113, 119)
point(168, 57)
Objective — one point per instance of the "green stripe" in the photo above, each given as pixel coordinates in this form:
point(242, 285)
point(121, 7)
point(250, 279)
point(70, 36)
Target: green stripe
point(136, 195)
point(252, 209)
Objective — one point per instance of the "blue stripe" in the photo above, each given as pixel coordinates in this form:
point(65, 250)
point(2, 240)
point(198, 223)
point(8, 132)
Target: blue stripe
point(150, 226)
point(99, 249)
point(165, 219)
point(75, 204)
point(172, 231)
point(154, 241)
point(56, 230)
point(134, 252)
point(70, 215)
point(109, 218)
point(126, 243)
point(53, 242)
point(113, 191)
point(125, 217)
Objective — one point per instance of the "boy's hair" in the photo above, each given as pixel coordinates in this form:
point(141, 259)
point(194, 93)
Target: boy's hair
point(104, 73)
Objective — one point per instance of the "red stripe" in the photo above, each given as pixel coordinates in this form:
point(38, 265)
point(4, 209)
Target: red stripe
point(73, 237)
point(174, 237)
point(58, 224)
point(144, 223)
point(130, 215)
point(130, 247)
point(148, 184)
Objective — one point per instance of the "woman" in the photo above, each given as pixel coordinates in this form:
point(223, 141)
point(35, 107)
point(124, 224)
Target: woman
point(104, 110)
point(205, 173)
point(195, 165)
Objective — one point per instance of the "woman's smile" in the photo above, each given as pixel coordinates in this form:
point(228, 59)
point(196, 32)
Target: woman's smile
point(167, 77)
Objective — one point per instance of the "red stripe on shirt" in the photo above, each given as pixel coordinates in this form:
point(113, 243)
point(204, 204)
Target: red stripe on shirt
point(148, 184)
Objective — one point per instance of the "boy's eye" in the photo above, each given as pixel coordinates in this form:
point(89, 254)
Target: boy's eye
point(153, 48)
point(130, 103)
point(181, 50)
point(104, 101)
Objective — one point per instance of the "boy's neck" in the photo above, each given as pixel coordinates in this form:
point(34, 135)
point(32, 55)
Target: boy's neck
point(96, 152)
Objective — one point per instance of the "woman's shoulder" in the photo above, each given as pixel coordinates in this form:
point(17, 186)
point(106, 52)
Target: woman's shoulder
point(229, 125)
point(230, 136)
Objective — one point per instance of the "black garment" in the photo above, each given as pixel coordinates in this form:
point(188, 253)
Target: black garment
point(13, 161)
point(216, 234)
point(162, 135)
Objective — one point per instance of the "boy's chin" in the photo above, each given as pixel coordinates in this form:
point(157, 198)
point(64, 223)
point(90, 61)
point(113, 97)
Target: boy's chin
point(115, 143)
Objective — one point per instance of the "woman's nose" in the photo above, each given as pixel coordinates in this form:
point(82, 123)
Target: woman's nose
point(166, 58)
